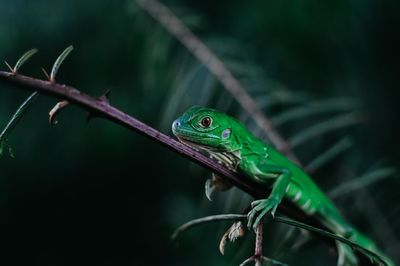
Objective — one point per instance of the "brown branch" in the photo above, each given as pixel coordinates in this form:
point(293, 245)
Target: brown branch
point(180, 31)
point(259, 244)
point(101, 107)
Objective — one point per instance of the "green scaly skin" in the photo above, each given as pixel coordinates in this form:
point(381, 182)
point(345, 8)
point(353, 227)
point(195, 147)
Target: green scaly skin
point(228, 141)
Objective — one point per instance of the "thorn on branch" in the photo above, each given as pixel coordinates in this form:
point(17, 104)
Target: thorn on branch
point(106, 96)
point(45, 73)
point(103, 98)
point(8, 65)
point(55, 111)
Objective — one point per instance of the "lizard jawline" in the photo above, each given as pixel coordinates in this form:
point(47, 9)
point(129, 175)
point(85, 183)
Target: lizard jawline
point(228, 159)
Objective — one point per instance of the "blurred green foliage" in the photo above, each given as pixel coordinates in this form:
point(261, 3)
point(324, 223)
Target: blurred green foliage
point(96, 193)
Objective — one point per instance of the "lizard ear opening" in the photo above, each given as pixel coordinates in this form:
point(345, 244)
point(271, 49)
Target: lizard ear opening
point(226, 133)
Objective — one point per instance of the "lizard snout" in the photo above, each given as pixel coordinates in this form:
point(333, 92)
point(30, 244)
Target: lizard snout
point(175, 125)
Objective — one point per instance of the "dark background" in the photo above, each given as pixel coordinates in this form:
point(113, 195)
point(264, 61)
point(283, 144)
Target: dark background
point(96, 193)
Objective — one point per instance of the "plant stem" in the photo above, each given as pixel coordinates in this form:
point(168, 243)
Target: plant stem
point(259, 244)
point(212, 218)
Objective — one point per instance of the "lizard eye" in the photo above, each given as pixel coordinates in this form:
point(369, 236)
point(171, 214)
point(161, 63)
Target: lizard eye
point(206, 121)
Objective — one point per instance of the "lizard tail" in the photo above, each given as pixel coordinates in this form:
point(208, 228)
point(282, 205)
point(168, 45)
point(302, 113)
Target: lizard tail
point(365, 242)
point(346, 257)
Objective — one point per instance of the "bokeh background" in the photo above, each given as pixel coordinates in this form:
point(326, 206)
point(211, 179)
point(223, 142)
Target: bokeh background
point(98, 194)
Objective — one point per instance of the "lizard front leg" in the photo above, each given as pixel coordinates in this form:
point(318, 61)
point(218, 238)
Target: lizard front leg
point(263, 206)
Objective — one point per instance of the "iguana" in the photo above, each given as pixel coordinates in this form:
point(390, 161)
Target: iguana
point(228, 141)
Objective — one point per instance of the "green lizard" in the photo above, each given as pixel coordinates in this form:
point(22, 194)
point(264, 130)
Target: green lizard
point(228, 141)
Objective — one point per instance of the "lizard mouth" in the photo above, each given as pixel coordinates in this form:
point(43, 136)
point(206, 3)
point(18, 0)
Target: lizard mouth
point(228, 159)
point(195, 145)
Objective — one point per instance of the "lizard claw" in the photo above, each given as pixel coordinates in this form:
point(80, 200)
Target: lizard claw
point(256, 202)
point(209, 188)
point(260, 209)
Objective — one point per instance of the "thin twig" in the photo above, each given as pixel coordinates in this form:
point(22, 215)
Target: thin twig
point(180, 31)
point(247, 261)
point(275, 262)
point(213, 218)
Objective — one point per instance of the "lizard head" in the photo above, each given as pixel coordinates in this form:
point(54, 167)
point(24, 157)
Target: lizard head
point(205, 128)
